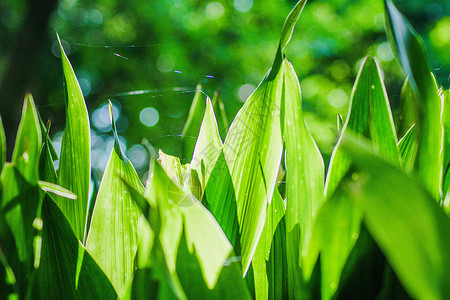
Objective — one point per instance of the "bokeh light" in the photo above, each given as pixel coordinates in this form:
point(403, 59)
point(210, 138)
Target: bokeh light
point(149, 116)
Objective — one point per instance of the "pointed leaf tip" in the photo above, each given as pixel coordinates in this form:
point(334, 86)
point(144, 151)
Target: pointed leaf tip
point(289, 23)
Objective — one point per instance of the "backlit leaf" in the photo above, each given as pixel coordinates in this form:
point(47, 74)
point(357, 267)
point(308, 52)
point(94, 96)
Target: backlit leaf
point(369, 115)
point(408, 47)
point(193, 123)
point(208, 146)
point(28, 141)
point(75, 161)
point(304, 176)
point(113, 235)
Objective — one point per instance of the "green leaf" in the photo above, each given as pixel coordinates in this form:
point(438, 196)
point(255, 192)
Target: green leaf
point(304, 176)
point(204, 237)
point(19, 203)
point(407, 148)
point(410, 228)
point(221, 115)
point(2, 145)
point(66, 270)
point(173, 168)
point(408, 47)
point(289, 23)
point(409, 110)
point(335, 232)
point(253, 149)
point(230, 284)
point(113, 234)
point(221, 202)
point(369, 115)
point(446, 178)
point(208, 146)
point(28, 142)
point(193, 123)
point(275, 213)
point(75, 161)
point(56, 189)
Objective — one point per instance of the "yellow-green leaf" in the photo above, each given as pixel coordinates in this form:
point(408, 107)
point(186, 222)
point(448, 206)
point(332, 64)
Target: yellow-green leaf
point(113, 234)
point(208, 146)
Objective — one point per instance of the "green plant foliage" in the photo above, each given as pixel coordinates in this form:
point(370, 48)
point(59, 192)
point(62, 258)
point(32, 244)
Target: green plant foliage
point(253, 148)
point(2, 145)
point(265, 276)
point(193, 123)
point(370, 115)
point(113, 234)
point(417, 251)
point(238, 219)
point(66, 269)
point(407, 149)
point(208, 146)
point(408, 47)
point(19, 204)
point(28, 141)
point(220, 200)
point(304, 178)
point(75, 162)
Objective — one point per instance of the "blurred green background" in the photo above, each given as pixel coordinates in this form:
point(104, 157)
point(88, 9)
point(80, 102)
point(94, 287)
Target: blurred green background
point(148, 56)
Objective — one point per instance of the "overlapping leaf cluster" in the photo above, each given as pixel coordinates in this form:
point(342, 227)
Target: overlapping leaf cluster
point(253, 216)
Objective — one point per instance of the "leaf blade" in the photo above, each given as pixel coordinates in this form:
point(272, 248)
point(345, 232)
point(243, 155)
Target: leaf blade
point(74, 166)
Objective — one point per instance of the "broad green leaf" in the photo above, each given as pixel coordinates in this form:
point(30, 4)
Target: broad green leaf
point(275, 213)
point(208, 146)
point(66, 270)
point(28, 142)
point(410, 228)
point(75, 161)
point(253, 149)
point(276, 265)
point(407, 149)
point(180, 210)
point(446, 178)
point(193, 123)
point(369, 114)
point(153, 279)
point(203, 243)
point(408, 47)
point(335, 232)
point(47, 170)
point(220, 200)
point(409, 110)
point(230, 284)
point(221, 115)
point(113, 236)
point(56, 189)
point(304, 175)
point(19, 203)
point(2, 145)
